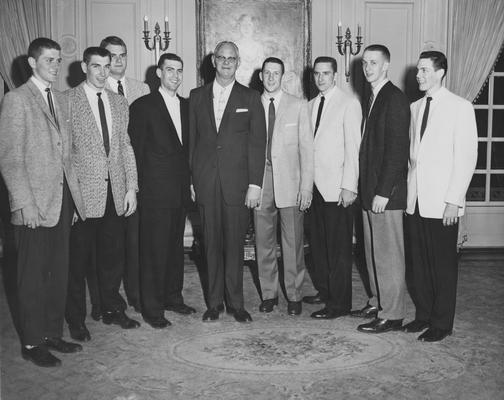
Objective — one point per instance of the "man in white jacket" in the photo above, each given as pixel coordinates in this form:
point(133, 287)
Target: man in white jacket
point(443, 154)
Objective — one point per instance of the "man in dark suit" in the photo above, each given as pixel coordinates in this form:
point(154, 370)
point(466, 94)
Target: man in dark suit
point(159, 131)
point(227, 155)
point(35, 150)
point(383, 163)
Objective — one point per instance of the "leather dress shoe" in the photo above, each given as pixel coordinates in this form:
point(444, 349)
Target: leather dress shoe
point(294, 307)
point(39, 355)
point(434, 335)
point(326, 313)
point(119, 318)
point(157, 322)
point(181, 308)
point(415, 326)
point(241, 315)
point(96, 313)
point(79, 332)
point(379, 325)
point(58, 344)
point(368, 311)
point(268, 304)
point(210, 315)
point(220, 308)
point(230, 310)
point(316, 299)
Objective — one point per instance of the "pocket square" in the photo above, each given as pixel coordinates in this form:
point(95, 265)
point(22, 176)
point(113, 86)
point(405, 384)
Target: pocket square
point(240, 110)
point(291, 124)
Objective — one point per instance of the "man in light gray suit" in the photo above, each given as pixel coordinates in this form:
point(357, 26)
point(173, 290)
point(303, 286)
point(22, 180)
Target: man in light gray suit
point(286, 191)
point(35, 146)
point(107, 171)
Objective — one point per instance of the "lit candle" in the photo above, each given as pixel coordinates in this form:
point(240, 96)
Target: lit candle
point(146, 23)
point(339, 28)
point(358, 30)
point(166, 24)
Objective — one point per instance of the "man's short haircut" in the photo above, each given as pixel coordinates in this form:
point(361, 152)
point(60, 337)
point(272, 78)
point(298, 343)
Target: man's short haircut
point(113, 40)
point(381, 48)
point(327, 59)
point(95, 51)
point(168, 56)
point(229, 43)
point(438, 59)
point(36, 46)
point(274, 60)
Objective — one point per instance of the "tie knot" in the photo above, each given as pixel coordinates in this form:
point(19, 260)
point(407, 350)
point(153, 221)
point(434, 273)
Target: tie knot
point(272, 99)
point(429, 99)
point(48, 90)
point(99, 95)
point(322, 98)
point(119, 82)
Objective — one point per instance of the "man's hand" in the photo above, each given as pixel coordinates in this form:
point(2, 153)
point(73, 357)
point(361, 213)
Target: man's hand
point(193, 193)
point(253, 197)
point(304, 199)
point(347, 197)
point(450, 215)
point(130, 202)
point(31, 216)
point(379, 204)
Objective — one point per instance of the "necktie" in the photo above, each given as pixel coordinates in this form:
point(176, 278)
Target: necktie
point(319, 114)
point(120, 88)
point(271, 126)
point(425, 117)
point(221, 106)
point(103, 120)
point(370, 104)
point(51, 105)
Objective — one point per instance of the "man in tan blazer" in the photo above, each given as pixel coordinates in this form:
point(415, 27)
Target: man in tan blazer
point(107, 172)
point(35, 162)
point(443, 153)
point(286, 191)
point(336, 120)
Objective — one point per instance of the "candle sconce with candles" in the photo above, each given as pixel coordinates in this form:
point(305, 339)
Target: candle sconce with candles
point(346, 48)
point(156, 43)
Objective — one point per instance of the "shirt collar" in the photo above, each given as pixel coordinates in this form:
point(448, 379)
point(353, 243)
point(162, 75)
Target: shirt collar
point(378, 87)
point(329, 94)
point(91, 90)
point(438, 93)
point(217, 88)
point(167, 95)
point(277, 96)
point(40, 85)
point(111, 80)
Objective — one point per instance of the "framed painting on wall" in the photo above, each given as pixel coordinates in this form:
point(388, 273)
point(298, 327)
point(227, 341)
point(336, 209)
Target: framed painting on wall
point(260, 29)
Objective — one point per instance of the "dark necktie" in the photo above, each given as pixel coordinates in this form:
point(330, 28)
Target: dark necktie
point(51, 105)
point(103, 120)
point(271, 126)
point(425, 117)
point(120, 88)
point(370, 104)
point(319, 114)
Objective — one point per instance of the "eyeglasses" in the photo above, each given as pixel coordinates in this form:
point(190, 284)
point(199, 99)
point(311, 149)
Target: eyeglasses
point(119, 56)
point(230, 60)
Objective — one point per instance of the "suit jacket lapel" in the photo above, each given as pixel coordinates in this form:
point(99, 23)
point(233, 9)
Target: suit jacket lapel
point(161, 105)
point(83, 105)
point(210, 108)
point(230, 106)
point(184, 121)
point(42, 104)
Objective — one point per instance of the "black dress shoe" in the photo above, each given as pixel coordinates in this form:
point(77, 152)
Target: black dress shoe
point(230, 310)
point(39, 355)
point(294, 307)
point(325, 313)
point(96, 313)
point(157, 322)
point(268, 304)
point(415, 326)
point(180, 309)
point(119, 318)
point(368, 311)
point(434, 335)
point(58, 344)
point(210, 315)
point(241, 315)
point(313, 299)
point(79, 332)
point(379, 325)
point(220, 308)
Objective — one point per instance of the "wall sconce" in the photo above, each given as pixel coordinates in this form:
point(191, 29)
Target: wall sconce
point(156, 43)
point(346, 48)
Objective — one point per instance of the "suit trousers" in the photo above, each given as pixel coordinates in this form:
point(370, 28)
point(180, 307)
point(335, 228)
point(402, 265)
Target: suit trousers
point(162, 256)
point(432, 270)
point(384, 247)
point(42, 273)
point(331, 232)
point(131, 279)
point(291, 228)
point(106, 234)
point(224, 229)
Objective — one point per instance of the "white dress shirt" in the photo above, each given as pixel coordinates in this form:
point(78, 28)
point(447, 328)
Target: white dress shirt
point(173, 105)
point(112, 82)
point(327, 96)
point(91, 94)
point(42, 87)
point(265, 98)
point(220, 98)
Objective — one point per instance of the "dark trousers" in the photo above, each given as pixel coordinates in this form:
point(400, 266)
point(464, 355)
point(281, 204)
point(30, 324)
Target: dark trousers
point(42, 268)
point(224, 229)
point(331, 230)
point(162, 256)
point(107, 235)
point(432, 272)
point(131, 279)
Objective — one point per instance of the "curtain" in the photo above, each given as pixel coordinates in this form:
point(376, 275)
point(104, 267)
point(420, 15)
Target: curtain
point(477, 34)
point(21, 21)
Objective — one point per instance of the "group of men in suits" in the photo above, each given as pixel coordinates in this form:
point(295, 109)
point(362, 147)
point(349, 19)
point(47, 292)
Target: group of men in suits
point(80, 158)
